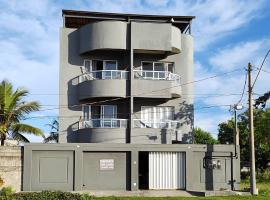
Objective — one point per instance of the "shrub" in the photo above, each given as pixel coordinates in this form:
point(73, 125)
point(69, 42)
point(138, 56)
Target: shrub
point(47, 195)
point(264, 174)
point(6, 191)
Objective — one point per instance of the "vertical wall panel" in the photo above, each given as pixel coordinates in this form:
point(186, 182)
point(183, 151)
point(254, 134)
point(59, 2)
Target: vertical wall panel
point(167, 170)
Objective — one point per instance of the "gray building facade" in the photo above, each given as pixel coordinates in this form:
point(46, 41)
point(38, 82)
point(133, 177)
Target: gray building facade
point(122, 79)
point(126, 111)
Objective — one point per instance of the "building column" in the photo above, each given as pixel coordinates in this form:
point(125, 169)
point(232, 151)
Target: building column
point(134, 170)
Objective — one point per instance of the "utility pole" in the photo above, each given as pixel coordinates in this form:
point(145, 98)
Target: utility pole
point(253, 188)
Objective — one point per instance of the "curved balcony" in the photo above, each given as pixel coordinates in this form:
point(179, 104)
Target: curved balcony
point(102, 131)
point(103, 35)
point(103, 83)
point(160, 84)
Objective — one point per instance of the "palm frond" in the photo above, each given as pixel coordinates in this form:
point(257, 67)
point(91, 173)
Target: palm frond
point(25, 128)
point(26, 108)
point(52, 137)
point(19, 137)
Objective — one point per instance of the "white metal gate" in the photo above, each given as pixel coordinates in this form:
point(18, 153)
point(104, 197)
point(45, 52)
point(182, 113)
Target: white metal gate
point(167, 170)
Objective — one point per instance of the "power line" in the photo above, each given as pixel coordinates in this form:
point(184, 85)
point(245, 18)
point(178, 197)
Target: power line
point(119, 98)
point(260, 68)
point(242, 95)
point(126, 113)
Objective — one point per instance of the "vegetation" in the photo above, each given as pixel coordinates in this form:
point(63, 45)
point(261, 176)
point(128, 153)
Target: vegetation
point(263, 185)
point(264, 194)
point(261, 132)
point(13, 109)
point(203, 137)
point(45, 195)
point(53, 136)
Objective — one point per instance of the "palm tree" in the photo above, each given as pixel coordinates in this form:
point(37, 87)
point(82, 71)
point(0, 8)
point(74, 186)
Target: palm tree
point(13, 109)
point(53, 136)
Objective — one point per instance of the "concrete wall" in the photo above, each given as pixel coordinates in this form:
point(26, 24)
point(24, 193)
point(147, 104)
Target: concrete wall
point(103, 35)
point(74, 94)
point(102, 88)
point(113, 177)
point(102, 135)
point(11, 167)
point(124, 172)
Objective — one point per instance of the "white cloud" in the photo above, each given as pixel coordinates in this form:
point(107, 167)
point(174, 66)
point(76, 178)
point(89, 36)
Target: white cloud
point(29, 40)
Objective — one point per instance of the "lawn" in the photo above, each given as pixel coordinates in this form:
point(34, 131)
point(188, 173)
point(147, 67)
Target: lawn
point(264, 194)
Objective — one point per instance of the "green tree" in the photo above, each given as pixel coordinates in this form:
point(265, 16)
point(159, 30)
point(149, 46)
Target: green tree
point(226, 132)
point(53, 136)
point(203, 137)
point(13, 109)
point(261, 133)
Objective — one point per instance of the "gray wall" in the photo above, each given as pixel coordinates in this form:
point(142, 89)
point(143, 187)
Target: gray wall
point(83, 160)
point(102, 88)
point(103, 35)
point(164, 37)
point(107, 179)
point(102, 135)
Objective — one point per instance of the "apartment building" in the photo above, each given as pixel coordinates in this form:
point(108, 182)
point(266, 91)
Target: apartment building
point(126, 111)
point(123, 78)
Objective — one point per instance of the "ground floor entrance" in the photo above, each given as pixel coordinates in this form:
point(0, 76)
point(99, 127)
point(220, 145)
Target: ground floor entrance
point(162, 170)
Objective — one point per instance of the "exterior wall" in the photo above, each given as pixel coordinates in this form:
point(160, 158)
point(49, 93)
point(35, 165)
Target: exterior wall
point(11, 167)
point(102, 88)
point(198, 178)
point(71, 61)
point(117, 172)
point(102, 135)
point(95, 36)
point(151, 36)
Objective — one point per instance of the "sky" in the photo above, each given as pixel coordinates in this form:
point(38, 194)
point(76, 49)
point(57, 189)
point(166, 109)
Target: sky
point(227, 35)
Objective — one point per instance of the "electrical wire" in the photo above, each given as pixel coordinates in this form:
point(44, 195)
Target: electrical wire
point(243, 91)
point(260, 68)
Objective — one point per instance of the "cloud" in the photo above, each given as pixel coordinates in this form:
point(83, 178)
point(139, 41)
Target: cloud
point(232, 57)
point(29, 40)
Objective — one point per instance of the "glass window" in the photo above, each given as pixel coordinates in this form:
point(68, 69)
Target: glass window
point(95, 114)
point(87, 65)
point(158, 113)
point(86, 112)
point(148, 66)
point(170, 67)
point(97, 65)
point(109, 111)
point(159, 67)
point(110, 65)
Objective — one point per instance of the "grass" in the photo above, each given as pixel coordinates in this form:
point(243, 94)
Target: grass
point(264, 194)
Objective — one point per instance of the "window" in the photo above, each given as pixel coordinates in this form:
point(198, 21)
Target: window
point(101, 69)
point(98, 112)
point(156, 117)
point(155, 70)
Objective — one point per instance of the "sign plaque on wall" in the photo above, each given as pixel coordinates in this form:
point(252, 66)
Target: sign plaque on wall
point(106, 164)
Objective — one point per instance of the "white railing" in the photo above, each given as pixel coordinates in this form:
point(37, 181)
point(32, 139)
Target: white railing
point(168, 124)
point(157, 75)
point(103, 123)
point(104, 74)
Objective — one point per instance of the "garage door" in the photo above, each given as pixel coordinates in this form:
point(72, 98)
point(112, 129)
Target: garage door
point(167, 170)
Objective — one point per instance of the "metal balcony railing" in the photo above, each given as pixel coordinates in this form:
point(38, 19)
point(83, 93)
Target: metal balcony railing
point(156, 75)
point(103, 74)
point(103, 123)
point(168, 124)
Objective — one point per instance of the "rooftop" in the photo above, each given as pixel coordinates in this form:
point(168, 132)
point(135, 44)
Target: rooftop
point(76, 19)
